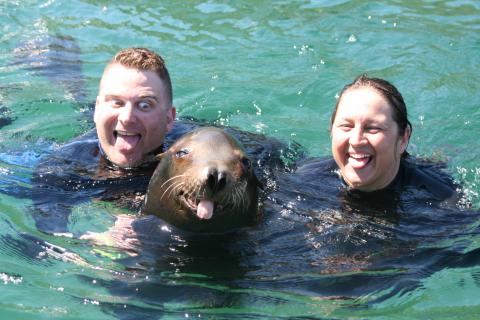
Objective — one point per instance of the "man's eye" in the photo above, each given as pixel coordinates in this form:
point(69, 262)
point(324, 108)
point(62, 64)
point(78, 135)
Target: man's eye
point(116, 103)
point(182, 153)
point(144, 106)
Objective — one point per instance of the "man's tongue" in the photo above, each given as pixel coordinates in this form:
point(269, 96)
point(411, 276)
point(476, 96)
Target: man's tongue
point(125, 142)
point(205, 209)
point(358, 162)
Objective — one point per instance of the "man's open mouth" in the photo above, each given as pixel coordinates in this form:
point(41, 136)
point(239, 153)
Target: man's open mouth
point(125, 140)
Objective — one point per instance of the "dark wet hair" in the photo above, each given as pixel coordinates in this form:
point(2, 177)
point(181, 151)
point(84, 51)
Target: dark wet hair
point(146, 60)
point(390, 93)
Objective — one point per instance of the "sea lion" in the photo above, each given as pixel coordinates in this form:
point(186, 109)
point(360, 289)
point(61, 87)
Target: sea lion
point(204, 183)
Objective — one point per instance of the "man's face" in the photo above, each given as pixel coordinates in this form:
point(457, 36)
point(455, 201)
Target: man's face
point(132, 114)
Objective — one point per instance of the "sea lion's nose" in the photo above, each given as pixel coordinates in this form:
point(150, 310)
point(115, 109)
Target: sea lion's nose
point(216, 179)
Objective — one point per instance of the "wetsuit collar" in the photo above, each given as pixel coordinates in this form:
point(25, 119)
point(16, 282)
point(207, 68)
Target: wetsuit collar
point(148, 161)
point(396, 184)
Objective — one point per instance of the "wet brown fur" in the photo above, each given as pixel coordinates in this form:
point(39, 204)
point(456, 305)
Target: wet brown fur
point(205, 164)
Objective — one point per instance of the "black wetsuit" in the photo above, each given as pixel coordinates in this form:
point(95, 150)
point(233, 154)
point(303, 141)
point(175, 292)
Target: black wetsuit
point(318, 184)
point(79, 172)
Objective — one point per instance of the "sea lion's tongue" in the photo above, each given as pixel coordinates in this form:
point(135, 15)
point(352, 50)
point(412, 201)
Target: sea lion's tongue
point(205, 209)
point(127, 142)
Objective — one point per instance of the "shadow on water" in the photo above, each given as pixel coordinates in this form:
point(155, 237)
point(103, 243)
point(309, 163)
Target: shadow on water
point(56, 57)
point(5, 118)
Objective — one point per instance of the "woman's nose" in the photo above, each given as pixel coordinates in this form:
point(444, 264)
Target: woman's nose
point(357, 136)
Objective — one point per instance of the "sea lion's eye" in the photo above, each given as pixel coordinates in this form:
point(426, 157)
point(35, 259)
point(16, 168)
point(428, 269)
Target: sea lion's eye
point(246, 162)
point(182, 153)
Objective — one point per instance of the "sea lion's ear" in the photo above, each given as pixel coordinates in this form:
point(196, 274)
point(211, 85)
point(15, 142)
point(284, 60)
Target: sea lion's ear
point(161, 155)
point(257, 182)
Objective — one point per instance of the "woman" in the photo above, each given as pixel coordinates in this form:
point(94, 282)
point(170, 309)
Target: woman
point(370, 133)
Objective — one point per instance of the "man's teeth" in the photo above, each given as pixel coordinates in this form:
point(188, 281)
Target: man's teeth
point(125, 133)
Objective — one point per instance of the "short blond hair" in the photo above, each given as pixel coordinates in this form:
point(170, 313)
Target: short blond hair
point(146, 60)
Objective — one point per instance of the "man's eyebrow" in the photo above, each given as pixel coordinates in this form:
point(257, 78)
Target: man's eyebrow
point(149, 97)
point(146, 96)
point(111, 96)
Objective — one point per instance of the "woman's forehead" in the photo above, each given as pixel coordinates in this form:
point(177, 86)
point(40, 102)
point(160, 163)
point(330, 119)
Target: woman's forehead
point(363, 102)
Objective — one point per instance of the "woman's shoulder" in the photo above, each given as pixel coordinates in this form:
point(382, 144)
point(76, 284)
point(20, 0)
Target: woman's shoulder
point(430, 175)
point(317, 166)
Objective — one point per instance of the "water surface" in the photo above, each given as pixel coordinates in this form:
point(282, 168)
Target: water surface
point(268, 67)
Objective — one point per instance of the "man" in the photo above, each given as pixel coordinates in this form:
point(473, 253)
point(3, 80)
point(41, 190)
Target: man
point(133, 113)
point(133, 110)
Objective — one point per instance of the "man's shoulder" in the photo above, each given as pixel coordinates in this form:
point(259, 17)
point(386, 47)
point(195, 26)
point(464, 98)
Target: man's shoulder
point(80, 154)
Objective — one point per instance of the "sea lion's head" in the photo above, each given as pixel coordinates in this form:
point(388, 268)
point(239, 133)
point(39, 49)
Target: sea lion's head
point(204, 183)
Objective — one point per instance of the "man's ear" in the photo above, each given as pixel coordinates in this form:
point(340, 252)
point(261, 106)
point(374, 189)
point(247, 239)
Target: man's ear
point(171, 113)
point(95, 110)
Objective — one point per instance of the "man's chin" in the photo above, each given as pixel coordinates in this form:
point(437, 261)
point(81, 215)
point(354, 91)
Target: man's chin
point(125, 161)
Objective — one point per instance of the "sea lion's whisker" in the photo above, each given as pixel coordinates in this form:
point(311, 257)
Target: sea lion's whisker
point(175, 189)
point(171, 188)
point(235, 198)
point(174, 177)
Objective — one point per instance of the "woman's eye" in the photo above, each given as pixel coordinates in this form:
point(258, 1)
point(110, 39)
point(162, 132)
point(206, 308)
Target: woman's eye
point(373, 129)
point(345, 126)
point(144, 106)
point(182, 153)
point(246, 162)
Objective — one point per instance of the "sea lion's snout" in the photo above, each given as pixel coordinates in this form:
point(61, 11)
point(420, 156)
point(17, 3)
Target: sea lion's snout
point(207, 191)
point(216, 179)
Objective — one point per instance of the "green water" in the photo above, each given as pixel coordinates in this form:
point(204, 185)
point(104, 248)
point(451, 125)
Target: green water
point(273, 67)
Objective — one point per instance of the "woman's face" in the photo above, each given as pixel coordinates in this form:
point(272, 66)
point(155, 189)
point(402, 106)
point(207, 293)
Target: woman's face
point(365, 139)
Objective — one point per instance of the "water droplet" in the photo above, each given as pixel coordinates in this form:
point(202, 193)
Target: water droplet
point(259, 110)
point(352, 38)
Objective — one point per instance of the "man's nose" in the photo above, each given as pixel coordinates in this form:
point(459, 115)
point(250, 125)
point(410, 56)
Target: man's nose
point(127, 113)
